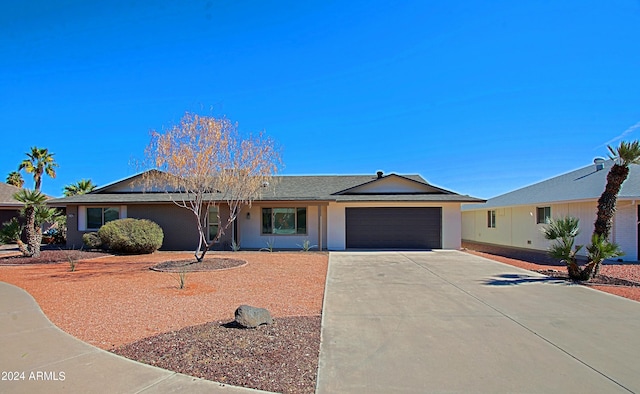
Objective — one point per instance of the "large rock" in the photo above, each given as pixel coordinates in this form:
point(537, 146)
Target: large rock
point(252, 317)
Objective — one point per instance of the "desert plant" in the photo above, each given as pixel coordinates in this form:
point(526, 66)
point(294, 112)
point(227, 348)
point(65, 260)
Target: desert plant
point(72, 259)
point(234, 245)
point(598, 251)
point(92, 240)
point(131, 236)
point(306, 245)
point(34, 212)
point(270, 244)
point(563, 232)
point(181, 277)
point(203, 154)
point(10, 232)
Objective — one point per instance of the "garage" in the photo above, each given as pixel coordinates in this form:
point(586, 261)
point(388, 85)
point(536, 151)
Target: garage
point(394, 228)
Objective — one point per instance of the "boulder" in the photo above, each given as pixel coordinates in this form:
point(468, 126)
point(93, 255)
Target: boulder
point(252, 317)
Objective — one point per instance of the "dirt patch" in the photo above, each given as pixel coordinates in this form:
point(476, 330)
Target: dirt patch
point(208, 264)
point(50, 257)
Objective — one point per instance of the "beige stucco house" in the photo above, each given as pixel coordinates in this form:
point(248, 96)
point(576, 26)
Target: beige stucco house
point(515, 219)
point(332, 212)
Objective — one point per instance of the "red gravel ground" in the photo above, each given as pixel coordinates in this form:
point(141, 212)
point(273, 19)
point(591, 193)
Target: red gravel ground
point(115, 300)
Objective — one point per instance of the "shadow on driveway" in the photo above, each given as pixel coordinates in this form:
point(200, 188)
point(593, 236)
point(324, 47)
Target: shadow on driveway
point(519, 279)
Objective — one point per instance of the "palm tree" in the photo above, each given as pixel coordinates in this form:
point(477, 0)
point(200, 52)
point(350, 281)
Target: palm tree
point(39, 162)
point(625, 154)
point(33, 202)
point(81, 187)
point(15, 178)
point(564, 232)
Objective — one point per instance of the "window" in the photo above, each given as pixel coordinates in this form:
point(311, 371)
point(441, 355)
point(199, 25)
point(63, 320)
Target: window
point(96, 217)
point(491, 219)
point(213, 222)
point(543, 215)
point(286, 221)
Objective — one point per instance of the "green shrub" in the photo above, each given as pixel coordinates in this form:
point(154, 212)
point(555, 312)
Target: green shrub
point(131, 236)
point(10, 231)
point(91, 240)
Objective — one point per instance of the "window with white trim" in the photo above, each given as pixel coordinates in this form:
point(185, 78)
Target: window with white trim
point(284, 221)
point(543, 215)
point(98, 216)
point(491, 218)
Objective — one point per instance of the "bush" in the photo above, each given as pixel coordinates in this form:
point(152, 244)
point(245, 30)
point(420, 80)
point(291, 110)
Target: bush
point(131, 236)
point(92, 240)
point(10, 232)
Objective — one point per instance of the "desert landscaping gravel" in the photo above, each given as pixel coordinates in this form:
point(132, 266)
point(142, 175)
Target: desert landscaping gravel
point(111, 301)
point(119, 304)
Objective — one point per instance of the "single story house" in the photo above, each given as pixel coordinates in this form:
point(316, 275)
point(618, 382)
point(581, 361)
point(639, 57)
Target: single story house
point(334, 212)
point(515, 219)
point(9, 206)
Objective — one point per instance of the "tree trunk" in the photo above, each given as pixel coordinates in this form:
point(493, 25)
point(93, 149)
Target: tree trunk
point(573, 269)
point(590, 270)
point(607, 201)
point(203, 252)
point(33, 233)
point(22, 247)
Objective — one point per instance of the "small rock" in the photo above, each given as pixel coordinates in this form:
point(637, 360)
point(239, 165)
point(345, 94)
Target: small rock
point(252, 317)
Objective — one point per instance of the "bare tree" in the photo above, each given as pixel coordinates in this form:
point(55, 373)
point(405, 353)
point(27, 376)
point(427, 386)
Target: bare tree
point(203, 162)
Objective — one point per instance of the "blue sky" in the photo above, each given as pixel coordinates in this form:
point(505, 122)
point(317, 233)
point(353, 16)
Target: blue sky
point(479, 97)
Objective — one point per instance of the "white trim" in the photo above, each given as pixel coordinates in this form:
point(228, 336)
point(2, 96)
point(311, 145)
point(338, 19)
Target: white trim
point(82, 215)
point(82, 218)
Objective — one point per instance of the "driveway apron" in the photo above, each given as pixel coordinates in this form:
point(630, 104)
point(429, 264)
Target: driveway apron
point(447, 321)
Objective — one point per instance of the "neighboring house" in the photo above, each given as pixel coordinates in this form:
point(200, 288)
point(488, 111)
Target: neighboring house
point(515, 219)
point(9, 207)
point(332, 212)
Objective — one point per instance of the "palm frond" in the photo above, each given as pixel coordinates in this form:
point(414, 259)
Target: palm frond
point(601, 249)
point(559, 228)
point(626, 153)
point(30, 197)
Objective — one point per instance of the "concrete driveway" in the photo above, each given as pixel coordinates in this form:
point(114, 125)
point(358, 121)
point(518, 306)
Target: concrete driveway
point(447, 321)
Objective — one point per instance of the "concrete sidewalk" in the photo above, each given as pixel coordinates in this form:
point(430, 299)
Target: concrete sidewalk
point(38, 357)
point(447, 321)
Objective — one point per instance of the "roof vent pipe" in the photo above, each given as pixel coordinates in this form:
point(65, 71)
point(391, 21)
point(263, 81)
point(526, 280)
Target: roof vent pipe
point(599, 163)
point(379, 173)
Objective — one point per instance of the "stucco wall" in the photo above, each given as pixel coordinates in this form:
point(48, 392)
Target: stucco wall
point(178, 224)
point(625, 228)
point(249, 230)
point(74, 237)
point(517, 227)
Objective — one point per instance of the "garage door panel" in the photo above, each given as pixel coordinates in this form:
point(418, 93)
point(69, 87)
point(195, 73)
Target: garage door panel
point(394, 228)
